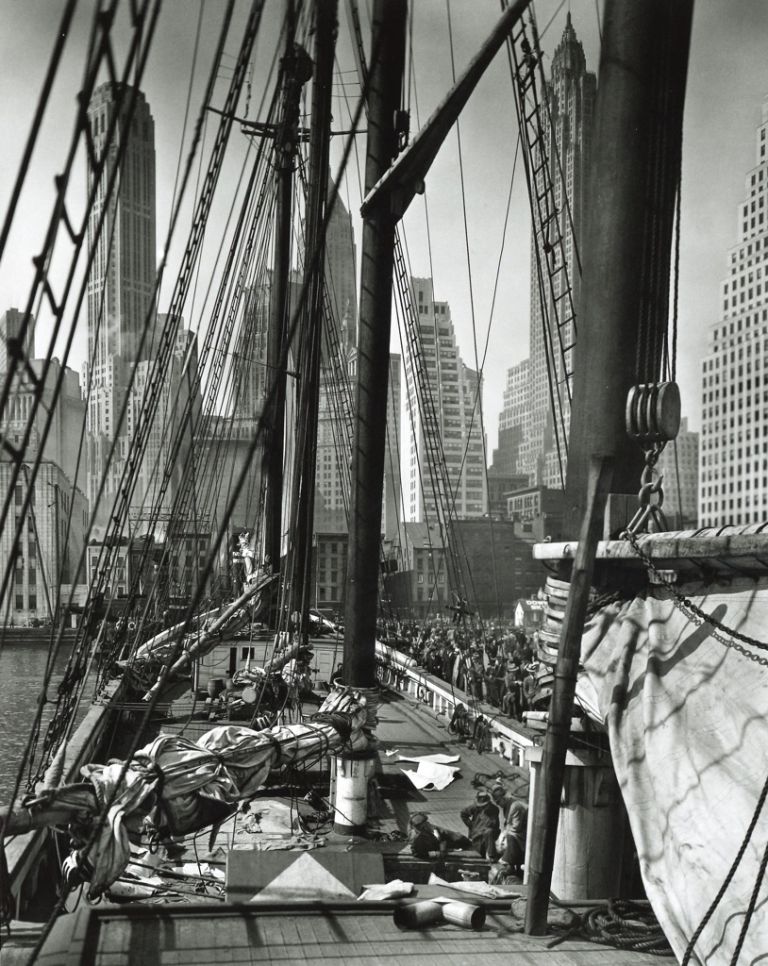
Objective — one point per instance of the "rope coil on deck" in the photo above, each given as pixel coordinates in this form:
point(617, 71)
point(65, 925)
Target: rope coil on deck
point(620, 923)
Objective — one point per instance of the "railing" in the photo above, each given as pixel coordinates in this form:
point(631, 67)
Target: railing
point(23, 851)
point(501, 734)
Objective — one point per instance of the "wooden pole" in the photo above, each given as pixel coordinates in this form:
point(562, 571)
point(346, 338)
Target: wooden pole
point(302, 524)
point(298, 70)
point(362, 585)
point(638, 120)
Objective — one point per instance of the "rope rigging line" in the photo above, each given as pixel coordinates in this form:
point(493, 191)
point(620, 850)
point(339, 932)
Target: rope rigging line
point(254, 443)
point(145, 416)
point(549, 250)
point(478, 401)
point(42, 103)
point(99, 638)
point(215, 335)
point(191, 253)
point(83, 125)
point(41, 284)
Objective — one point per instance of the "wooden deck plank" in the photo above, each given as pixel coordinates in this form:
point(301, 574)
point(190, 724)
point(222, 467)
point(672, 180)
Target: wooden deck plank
point(351, 934)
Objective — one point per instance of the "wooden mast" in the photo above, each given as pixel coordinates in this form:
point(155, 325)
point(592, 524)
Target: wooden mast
point(302, 522)
point(637, 140)
point(362, 585)
point(297, 71)
point(389, 191)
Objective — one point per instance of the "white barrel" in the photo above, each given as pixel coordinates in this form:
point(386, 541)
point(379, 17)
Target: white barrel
point(464, 914)
point(351, 796)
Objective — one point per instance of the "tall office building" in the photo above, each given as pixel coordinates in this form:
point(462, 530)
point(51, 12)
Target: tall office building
point(10, 331)
point(392, 508)
point(178, 409)
point(734, 432)
point(122, 277)
point(571, 93)
point(336, 398)
point(679, 463)
point(341, 273)
point(455, 392)
point(53, 528)
point(249, 383)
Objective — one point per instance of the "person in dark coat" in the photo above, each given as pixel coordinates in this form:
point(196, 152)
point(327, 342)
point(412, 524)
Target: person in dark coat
point(429, 841)
point(511, 845)
point(482, 821)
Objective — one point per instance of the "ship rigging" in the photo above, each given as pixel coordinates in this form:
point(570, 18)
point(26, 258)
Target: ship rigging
point(611, 637)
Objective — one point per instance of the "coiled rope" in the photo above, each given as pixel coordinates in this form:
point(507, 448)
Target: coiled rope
point(621, 923)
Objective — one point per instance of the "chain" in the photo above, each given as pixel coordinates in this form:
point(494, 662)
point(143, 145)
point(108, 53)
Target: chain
point(725, 635)
point(649, 487)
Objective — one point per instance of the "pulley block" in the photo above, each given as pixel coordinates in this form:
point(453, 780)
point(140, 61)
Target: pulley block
point(653, 412)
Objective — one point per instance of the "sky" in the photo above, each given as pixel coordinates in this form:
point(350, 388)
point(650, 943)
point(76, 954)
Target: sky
point(727, 82)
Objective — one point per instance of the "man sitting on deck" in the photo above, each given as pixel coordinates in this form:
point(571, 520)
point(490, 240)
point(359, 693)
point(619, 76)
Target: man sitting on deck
point(511, 841)
point(429, 841)
point(482, 821)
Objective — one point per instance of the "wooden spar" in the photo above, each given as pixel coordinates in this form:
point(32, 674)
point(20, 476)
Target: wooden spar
point(405, 178)
point(362, 584)
point(302, 517)
point(298, 70)
point(643, 64)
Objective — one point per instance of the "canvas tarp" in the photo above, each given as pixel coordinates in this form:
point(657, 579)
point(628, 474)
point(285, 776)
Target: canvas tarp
point(688, 729)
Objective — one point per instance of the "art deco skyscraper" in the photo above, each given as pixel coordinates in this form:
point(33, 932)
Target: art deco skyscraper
point(122, 277)
point(567, 121)
point(733, 485)
point(336, 396)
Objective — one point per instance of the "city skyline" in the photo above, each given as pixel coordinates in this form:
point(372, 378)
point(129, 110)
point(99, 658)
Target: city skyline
point(722, 91)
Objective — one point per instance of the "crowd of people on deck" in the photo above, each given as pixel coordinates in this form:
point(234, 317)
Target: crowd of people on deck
point(493, 663)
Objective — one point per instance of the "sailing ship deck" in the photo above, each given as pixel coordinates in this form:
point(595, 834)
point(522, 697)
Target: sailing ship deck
point(301, 932)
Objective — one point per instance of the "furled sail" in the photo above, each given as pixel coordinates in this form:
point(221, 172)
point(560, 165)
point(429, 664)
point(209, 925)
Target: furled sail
point(174, 786)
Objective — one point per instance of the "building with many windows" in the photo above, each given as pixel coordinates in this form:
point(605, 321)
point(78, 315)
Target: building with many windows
point(733, 481)
point(679, 464)
point(51, 531)
point(13, 339)
point(121, 281)
point(455, 391)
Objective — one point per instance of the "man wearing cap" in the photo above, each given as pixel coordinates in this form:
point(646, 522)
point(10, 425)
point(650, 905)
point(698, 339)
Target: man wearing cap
point(482, 821)
point(429, 841)
point(511, 843)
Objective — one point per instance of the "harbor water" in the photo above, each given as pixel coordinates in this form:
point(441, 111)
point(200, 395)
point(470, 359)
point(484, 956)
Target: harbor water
point(22, 669)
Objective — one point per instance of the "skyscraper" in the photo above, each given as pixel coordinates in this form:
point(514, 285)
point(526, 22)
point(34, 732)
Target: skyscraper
point(53, 530)
point(733, 485)
point(680, 465)
point(455, 392)
point(392, 483)
point(10, 329)
point(341, 273)
point(336, 393)
point(122, 277)
point(567, 123)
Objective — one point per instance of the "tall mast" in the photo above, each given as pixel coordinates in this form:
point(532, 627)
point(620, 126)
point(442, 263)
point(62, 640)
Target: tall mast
point(384, 94)
point(389, 191)
point(635, 168)
point(302, 523)
point(297, 71)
